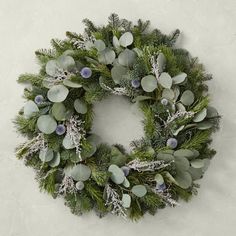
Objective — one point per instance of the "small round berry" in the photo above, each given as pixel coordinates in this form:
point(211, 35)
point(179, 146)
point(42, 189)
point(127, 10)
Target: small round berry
point(61, 129)
point(161, 187)
point(172, 143)
point(135, 83)
point(38, 99)
point(79, 185)
point(86, 72)
point(164, 101)
point(126, 170)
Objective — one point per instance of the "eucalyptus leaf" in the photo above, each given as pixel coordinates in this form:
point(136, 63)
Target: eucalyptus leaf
point(80, 172)
point(127, 58)
point(46, 155)
point(168, 94)
point(195, 173)
point(184, 153)
point(179, 78)
point(126, 39)
point(99, 45)
point(187, 98)
point(57, 93)
point(115, 42)
point(69, 83)
point(55, 161)
point(30, 108)
point(80, 106)
point(117, 73)
point(126, 183)
point(200, 116)
point(139, 190)
point(180, 107)
point(85, 153)
point(141, 98)
point(165, 80)
point(161, 61)
point(68, 143)
point(149, 83)
point(66, 62)
point(59, 111)
point(211, 112)
point(197, 163)
point(159, 179)
point(184, 179)
point(126, 200)
point(117, 175)
point(165, 156)
point(204, 125)
point(182, 163)
point(107, 56)
point(52, 67)
point(46, 124)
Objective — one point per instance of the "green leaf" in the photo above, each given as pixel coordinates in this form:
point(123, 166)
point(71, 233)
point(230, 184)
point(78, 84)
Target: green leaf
point(117, 73)
point(161, 61)
point(126, 183)
point(126, 200)
point(72, 84)
point(179, 78)
point(168, 94)
point(159, 179)
point(80, 172)
point(127, 57)
point(30, 108)
point(184, 153)
point(99, 45)
point(211, 112)
point(107, 56)
point(117, 175)
point(165, 80)
point(204, 125)
point(139, 190)
point(52, 67)
point(68, 143)
point(59, 111)
point(46, 124)
point(200, 116)
point(141, 98)
point(55, 161)
point(187, 98)
point(115, 42)
point(149, 83)
point(126, 39)
point(182, 163)
point(197, 163)
point(184, 179)
point(57, 93)
point(66, 62)
point(46, 155)
point(80, 106)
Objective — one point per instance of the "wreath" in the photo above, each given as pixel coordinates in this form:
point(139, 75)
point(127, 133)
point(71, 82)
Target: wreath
point(144, 66)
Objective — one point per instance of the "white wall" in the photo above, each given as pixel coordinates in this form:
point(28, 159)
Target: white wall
point(208, 31)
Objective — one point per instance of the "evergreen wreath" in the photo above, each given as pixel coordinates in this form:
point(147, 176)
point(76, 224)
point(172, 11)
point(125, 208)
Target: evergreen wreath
point(144, 66)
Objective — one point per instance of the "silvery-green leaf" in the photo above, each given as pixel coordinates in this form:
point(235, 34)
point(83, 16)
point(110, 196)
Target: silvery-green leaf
point(117, 175)
point(197, 163)
point(59, 111)
point(46, 155)
point(52, 67)
point(195, 173)
point(170, 177)
point(184, 153)
point(126, 39)
point(200, 116)
point(66, 62)
point(138, 51)
point(165, 157)
point(46, 83)
point(159, 179)
point(176, 132)
point(115, 41)
point(184, 179)
point(85, 153)
point(80, 106)
point(68, 143)
point(55, 161)
point(149, 83)
point(161, 61)
point(88, 45)
point(211, 112)
point(187, 98)
point(80, 172)
point(141, 98)
point(126, 183)
point(94, 138)
point(57, 93)
point(139, 190)
point(99, 45)
point(179, 78)
point(180, 107)
point(182, 163)
point(107, 56)
point(195, 153)
point(127, 57)
point(204, 125)
point(126, 200)
point(69, 83)
point(46, 124)
point(68, 52)
point(176, 92)
point(117, 72)
point(165, 80)
point(29, 109)
point(168, 94)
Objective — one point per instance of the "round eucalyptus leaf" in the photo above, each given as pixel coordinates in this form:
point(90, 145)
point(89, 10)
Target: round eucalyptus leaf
point(211, 112)
point(183, 179)
point(30, 108)
point(68, 143)
point(69, 83)
point(126, 200)
point(139, 190)
point(176, 92)
point(200, 116)
point(195, 153)
point(57, 93)
point(165, 156)
point(117, 175)
point(127, 57)
point(126, 39)
point(179, 78)
point(126, 183)
point(88, 45)
point(180, 107)
point(80, 106)
point(85, 153)
point(170, 177)
point(159, 179)
point(46, 155)
point(204, 125)
point(149, 83)
point(59, 111)
point(161, 61)
point(182, 163)
point(195, 173)
point(107, 56)
point(184, 153)
point(168, 94)
point(80, 172)
point(46, 124)
point(117, 72)
point(52, 67)
point(66, 62)
point(47, 83)
point(115, 42)
point(165, 80)
point(99, 45)
point(55, 161)
point(187, 98)
point(197, 163)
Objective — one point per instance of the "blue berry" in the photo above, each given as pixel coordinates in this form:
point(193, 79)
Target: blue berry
point(79, 185)
point(38, 99)
point(126, 170)
point(135, 83)
point(86, 72)
point(164, 101)
point(161, 187)
point(172, 143)
point(61, 129)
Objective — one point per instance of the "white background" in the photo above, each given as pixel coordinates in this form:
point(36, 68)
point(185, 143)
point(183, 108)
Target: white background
point(208, 31)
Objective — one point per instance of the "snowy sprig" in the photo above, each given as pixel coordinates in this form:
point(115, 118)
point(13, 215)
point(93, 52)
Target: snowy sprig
point(165, 195)
point(117, 90)
point(113, 199)
point(177, 115)
point(84, 39)
point(155, 66)
point(140, 166)
point(67, 186)
point(75, 131)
